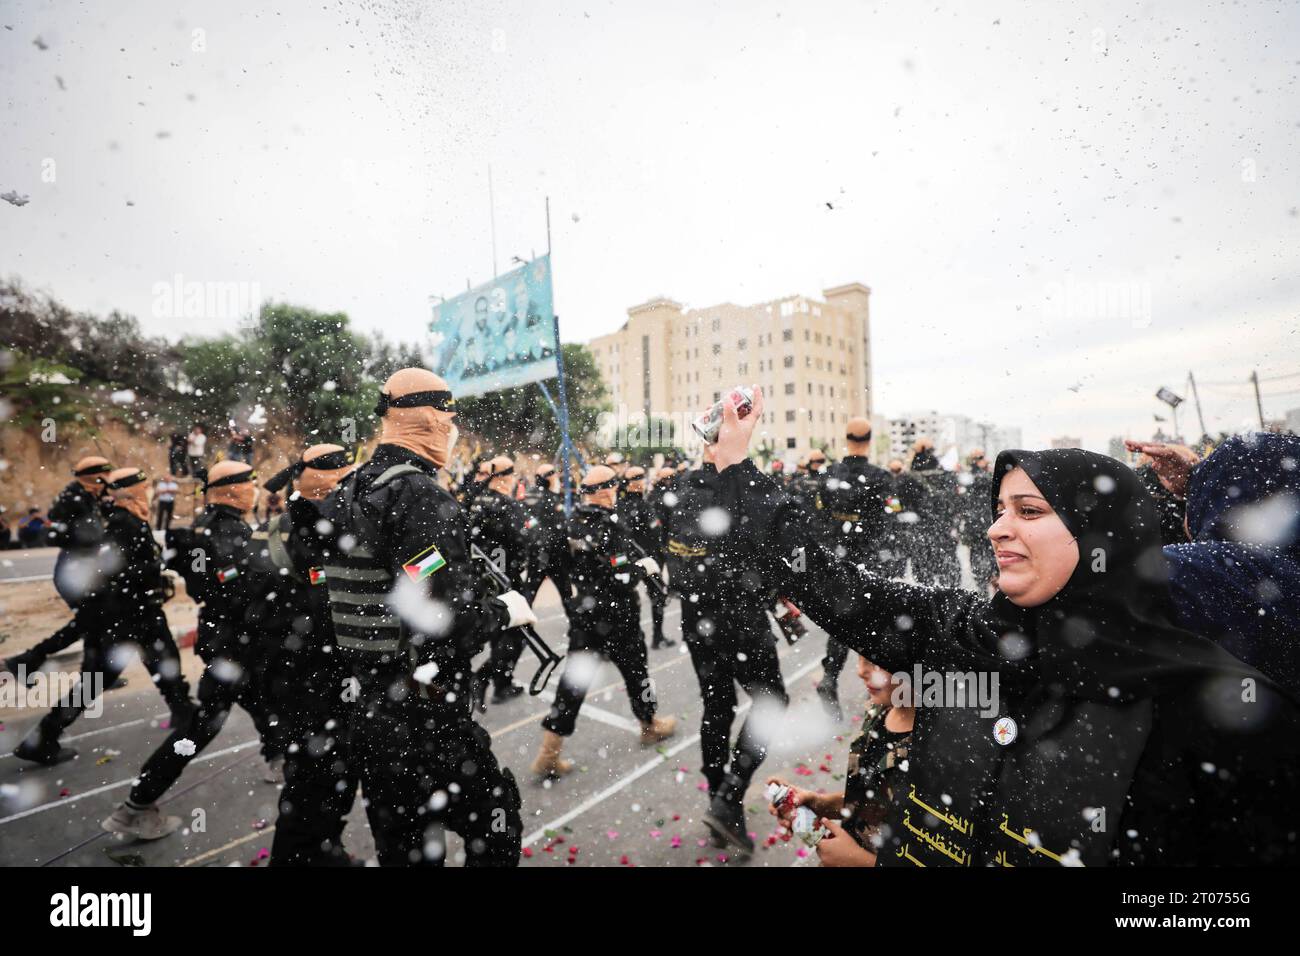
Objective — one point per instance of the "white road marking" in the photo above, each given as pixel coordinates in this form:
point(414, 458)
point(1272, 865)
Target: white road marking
point(73, 798)
point(645, 768)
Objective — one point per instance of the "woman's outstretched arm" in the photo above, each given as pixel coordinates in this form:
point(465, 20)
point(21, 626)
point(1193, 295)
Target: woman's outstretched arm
point(887, 621)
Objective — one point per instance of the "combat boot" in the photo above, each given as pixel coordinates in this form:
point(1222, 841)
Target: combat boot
point(141, 823)
point(726, 816)
point(549, 763)
point(656, 729)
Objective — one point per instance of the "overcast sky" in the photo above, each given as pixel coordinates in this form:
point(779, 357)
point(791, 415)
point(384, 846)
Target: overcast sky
point(988, 167)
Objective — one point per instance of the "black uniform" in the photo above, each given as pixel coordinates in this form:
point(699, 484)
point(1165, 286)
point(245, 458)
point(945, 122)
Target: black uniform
point(309, 675)
point(642, 521)
point(723, 620)
point(973, 490)
point(423, 763)
point(930, 494)
point(853, 502)
point(499, 525)
point(548, 545)
point(77, 530)
point(604, 616)
point(126, 609)
point(232, 575)
point(877, 775)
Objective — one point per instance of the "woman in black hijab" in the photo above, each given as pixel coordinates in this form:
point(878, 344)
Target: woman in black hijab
point(1117, 739)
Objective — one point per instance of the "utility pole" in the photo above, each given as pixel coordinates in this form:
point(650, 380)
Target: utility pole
point(1196, 396)
point(1259, 405)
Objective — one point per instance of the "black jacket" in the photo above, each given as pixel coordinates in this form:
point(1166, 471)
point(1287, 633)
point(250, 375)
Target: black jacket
point(853, 498)
point(704, 563)
point(138, 582)
point(227, 571)
point(412, 518)
point(602, 564)
point(500, 526)
point(642, 521)
point(76, 519)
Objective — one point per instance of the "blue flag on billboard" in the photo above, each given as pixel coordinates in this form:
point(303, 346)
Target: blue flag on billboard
point(499, 335)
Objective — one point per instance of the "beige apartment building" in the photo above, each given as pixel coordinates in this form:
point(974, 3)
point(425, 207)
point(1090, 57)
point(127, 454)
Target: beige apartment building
point(812, 358)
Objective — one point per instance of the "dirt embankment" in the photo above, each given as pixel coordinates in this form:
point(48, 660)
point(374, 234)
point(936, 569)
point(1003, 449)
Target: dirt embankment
point(32, 472)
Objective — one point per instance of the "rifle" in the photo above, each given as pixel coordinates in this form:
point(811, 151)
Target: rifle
point(548, 658)
point(650, 579)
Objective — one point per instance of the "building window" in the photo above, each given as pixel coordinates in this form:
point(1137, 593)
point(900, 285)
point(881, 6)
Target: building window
point(789, 388)
point(789, 361)
point(740, 343)
point(717, 349)
point(789, 443)
point(807, 336)
point(787, 335)
point(789, 415)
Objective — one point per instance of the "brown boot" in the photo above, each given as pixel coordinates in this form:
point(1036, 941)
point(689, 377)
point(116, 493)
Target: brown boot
point(549, 763)
point(656, 729)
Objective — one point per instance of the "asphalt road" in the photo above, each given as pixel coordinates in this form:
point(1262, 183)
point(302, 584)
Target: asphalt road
point(36, 564)
point(625, 805)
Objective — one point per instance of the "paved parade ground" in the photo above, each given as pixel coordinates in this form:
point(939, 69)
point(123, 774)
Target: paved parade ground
point(623, 805)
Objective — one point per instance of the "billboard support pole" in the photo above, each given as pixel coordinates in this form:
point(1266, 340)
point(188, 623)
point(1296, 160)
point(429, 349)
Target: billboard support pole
point(567, 450)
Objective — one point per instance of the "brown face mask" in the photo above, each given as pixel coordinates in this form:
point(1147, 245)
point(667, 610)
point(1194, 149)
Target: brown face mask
point(134, 499)
point(428, 432)
point(241, 496)
point(316, 484)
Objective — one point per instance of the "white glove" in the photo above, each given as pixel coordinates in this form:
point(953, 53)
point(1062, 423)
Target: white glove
point(649, 565)
point(520, 611)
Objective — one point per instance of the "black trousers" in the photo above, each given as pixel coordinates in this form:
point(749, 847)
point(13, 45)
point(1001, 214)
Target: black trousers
point(320, 783)
point(165, 510)
point(234, 675)
point(877, 558)
point(423, 771)
point(615, 634)
point(658, 601)
point(506, 646)
point(717, 636)
point(67, 635)
point(107, 652)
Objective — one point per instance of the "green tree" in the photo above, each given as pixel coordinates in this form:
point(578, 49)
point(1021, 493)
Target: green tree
point(37, 392)
point(310, 369)
point(521, 418)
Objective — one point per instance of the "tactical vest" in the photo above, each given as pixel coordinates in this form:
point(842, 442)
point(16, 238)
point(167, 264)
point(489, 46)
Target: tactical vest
point(360, 581)
point(873, 767)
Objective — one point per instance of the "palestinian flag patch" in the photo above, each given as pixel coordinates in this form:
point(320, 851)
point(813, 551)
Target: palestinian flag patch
point(424, 564)
point(893, 505)
point(618, 560)
point(316, 575)
point(229, 574)
point(530, 524)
